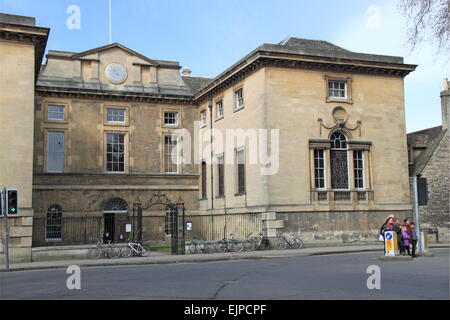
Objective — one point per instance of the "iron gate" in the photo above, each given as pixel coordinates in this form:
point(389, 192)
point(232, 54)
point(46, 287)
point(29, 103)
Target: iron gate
point(174, 221)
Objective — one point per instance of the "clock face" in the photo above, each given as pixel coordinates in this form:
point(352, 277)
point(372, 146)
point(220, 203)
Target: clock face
point(116, 73)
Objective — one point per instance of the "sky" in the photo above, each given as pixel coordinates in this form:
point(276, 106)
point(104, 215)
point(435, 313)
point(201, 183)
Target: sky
point(208, 36)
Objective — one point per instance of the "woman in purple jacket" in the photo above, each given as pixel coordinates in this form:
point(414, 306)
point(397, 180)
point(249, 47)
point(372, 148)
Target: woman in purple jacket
point(406, 240)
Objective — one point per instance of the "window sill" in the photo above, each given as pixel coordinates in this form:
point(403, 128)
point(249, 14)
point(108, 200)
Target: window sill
point(217, 119)
point(220, 197)
point(237, 109)
point(240, 194)
point(339, 100)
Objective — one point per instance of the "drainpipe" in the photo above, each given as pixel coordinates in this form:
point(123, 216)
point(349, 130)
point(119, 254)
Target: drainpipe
point(212, 153)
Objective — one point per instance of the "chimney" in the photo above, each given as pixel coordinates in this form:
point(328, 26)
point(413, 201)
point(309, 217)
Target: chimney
point(186, 72)
point(445, 104)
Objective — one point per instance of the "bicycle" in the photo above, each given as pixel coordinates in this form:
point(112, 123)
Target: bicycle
point(231, 244)
point(261, 243)
point(249, 243)
point(99, 249)
point(289, 240)
point(199, 245)
point(135, 248)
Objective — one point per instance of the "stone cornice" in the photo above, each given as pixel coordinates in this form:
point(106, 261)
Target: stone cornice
point(262, 59)
point(37, 36)
point(93, 94)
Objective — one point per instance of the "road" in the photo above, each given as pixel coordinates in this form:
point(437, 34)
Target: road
point(342, 276)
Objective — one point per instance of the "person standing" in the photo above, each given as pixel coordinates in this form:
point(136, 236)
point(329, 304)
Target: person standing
point(406, 241)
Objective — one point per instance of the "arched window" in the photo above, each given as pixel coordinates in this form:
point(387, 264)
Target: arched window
point(339, 161)
point(53, 228)
point(115, 205)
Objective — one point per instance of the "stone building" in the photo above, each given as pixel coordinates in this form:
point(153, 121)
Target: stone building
point(429, 152)
point(342, 141)
point(109, 127)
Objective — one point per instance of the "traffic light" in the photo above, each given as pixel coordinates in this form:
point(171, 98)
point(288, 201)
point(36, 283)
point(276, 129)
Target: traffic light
point(12, 201)
point(422, 191)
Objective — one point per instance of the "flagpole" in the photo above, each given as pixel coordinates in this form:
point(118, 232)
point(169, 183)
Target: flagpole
point(110, 24)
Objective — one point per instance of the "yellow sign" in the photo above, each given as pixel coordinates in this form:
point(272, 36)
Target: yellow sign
point(390, 242)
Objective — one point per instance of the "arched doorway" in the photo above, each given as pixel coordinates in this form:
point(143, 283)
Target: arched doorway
point(114, 210)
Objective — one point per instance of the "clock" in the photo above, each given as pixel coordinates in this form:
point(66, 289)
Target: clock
point(116, 73)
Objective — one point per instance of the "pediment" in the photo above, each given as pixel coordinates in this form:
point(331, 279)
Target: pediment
point(115, 49)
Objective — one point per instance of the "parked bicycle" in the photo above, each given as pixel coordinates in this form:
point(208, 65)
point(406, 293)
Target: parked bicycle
point(230, 245)
point(108, 251)
point(290, 240)
point(261, 243)
point(249, 243)
point(135, 249)
point(199, 245)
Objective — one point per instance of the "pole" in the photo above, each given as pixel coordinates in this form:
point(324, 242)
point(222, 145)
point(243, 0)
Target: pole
point(110, 23)
point(416, 210)
point(6, 229)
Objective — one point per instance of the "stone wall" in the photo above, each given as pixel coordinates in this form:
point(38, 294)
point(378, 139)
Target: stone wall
point(337, 226)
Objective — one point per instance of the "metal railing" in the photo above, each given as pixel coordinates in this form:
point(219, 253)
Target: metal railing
point(71, 231)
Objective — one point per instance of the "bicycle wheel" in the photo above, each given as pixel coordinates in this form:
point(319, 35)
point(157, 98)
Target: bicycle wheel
point(221, 246)
point(237, 246)
point(94, 253)
point(281, 244)
point(126, 252)
point(209, 248)
point(146, 251)
point(112, 252)
point(193, 248)
point(249, 245)
point(298, 243)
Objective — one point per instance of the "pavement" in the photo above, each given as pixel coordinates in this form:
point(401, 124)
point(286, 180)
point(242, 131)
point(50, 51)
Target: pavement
point(166, 258)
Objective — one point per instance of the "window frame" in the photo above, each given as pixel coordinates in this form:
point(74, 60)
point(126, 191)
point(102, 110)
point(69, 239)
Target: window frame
point(236, 91)
point(125, 152)
point(113, 121)
point(220, 175)
point(348, 89)
point(204, 180)
point(203, 121)
point(219, 102)
point(51, 103)
point(177, 119)
point(324, 169)
point(127, 115)
point(240, 191)
point(165, 154)
point(46, 134)
point(362, 170)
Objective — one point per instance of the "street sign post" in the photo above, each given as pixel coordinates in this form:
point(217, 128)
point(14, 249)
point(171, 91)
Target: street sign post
point(391, 244)
point(5, 226)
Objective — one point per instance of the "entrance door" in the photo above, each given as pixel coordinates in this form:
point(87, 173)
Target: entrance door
point(110, 224)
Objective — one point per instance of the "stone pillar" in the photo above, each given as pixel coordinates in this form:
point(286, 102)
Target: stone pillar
point(270, 224)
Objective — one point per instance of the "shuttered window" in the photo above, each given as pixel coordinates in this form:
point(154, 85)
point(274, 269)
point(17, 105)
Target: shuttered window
point(55, 151)
point(240, 158)
point(204, 194)
point(220, 177)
